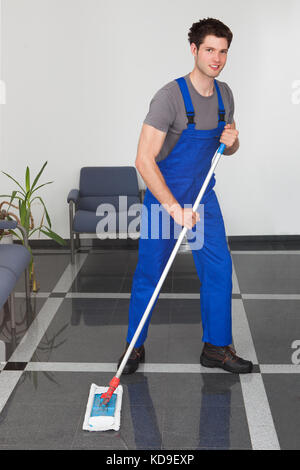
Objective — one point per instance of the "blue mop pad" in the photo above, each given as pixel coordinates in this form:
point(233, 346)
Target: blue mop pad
point(99, 417)
point(98, 409)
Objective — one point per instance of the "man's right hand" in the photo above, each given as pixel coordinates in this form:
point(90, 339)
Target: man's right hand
point(185, 217)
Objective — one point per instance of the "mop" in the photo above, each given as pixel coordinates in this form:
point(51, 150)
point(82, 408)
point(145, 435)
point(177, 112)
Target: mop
point(103, 410)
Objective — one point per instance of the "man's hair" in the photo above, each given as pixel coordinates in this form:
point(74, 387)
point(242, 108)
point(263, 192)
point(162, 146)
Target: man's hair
point(208, 26)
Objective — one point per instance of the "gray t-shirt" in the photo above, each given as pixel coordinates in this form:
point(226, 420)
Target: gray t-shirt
point(167, 111)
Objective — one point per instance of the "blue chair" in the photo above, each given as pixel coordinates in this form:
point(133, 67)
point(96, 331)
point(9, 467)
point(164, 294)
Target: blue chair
point(14, 260)
point(103, 185)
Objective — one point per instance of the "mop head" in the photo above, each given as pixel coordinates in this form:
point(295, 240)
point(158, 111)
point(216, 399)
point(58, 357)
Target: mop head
point(99, 417)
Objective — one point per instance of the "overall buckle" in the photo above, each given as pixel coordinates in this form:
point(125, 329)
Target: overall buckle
point(190, 118)
point(222, 116)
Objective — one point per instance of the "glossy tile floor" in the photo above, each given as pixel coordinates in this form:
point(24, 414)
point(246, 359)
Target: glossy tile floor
point(75, 330)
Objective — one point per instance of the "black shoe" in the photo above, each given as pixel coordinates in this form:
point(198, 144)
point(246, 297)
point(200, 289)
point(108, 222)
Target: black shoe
point(137, 355)
point(224, 357)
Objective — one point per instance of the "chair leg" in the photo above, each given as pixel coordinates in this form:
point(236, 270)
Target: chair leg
point(12, 310)
point(71, 231)
point(77, 241)
point(27, 289)
point(27, 284)
point(72, 248)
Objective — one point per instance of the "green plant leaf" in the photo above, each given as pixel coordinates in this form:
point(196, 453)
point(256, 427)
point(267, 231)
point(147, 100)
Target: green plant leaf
point(27, 219)
point(38, 176)
point(54, 236)
point(24, 214)
point(10, 195)
point(46, 212)
point(23, 190)
point(20, 209)
point(31, 260)
point(27, 179)
point(13, 195)
point(32, 231)
point(49, 182)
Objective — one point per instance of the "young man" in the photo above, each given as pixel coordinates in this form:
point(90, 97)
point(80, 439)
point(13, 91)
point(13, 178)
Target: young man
point(187, 120)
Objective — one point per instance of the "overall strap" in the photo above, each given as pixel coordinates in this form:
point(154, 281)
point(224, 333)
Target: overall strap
point(187, 101)
point(221, 111)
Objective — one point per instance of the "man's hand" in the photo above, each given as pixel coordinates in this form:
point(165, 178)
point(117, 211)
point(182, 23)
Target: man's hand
point(229, 136)
point(185, 217)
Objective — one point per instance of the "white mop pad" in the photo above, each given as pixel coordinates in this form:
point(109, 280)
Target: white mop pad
point(104, 422)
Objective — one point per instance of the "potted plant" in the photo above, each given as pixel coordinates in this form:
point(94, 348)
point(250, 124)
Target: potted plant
point(26, 195)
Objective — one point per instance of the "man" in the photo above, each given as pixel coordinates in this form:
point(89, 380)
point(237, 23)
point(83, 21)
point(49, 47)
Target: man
point(187, 120)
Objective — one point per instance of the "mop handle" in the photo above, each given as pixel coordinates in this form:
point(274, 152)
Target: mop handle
point(215, 161)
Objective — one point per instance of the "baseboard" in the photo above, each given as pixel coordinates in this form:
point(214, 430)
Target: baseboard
point(84, 243)
point(243, 242)
point(264, 242)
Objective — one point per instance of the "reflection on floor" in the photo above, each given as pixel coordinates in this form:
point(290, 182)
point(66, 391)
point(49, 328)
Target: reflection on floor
point(75, 332)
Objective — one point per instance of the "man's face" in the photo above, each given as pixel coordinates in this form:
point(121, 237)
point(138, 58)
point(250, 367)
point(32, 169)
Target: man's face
point(211, 57)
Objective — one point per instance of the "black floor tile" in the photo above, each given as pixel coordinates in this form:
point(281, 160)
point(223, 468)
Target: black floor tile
point(267, 274)
point(81, 331)
point(203, 390)
point(206, 427)
point(48, 269)
point(15, 366)
point(274, 326)
point(283, 391)
point(107, 263)
point(160, 315)
point(97, 283)
point(167, 286)
point(185, 311)
point(188, 284)
point(104, 272)
point(10, 338)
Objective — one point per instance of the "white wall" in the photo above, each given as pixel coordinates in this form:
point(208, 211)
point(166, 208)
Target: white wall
point(80, 74)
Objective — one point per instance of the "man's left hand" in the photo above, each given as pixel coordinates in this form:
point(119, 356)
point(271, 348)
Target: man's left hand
point(229, 135)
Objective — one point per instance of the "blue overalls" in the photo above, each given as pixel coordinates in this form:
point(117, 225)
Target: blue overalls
point(184, 170)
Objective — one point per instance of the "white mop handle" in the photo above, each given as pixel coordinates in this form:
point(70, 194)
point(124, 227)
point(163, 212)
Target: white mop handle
point(169, 263)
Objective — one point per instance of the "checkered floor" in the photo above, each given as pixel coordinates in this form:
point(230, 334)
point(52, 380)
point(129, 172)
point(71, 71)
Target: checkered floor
point(75, 332)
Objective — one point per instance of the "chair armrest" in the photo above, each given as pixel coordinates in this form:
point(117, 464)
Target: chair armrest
point(73, 195)
point(8, 224)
